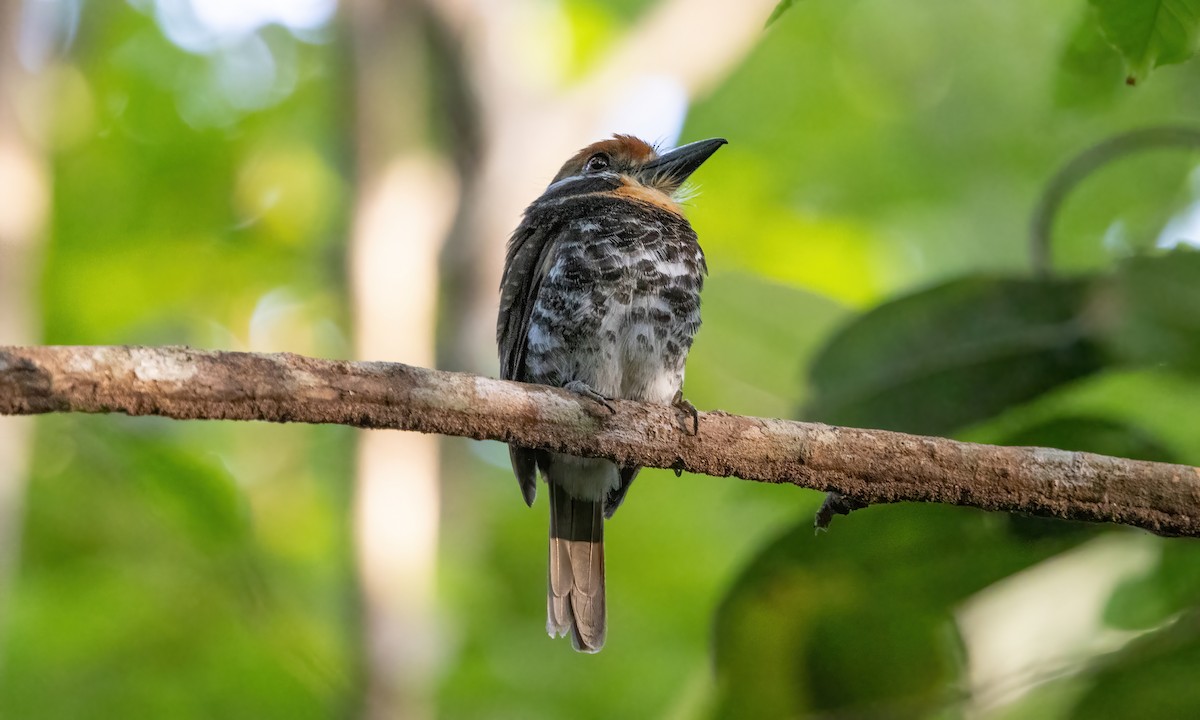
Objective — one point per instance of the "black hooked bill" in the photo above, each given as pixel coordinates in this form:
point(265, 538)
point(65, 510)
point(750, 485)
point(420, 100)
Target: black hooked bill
point(678, 164)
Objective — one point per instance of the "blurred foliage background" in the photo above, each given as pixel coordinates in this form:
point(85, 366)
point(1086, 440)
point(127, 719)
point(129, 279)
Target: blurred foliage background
point(210, 173)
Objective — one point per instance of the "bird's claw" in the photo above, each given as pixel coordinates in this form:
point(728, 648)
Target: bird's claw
point(581, 388)
point(680, 404)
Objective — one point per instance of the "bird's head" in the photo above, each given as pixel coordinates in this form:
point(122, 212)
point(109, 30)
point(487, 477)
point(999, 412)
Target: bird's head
point(636, 164)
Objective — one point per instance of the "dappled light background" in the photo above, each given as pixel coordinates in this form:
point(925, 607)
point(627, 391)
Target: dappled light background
point(338, 180)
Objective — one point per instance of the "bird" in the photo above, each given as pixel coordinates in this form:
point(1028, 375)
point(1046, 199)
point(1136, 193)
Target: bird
point(600, 295)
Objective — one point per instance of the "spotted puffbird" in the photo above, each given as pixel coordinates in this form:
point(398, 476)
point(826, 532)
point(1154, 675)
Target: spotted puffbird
point(601, 296)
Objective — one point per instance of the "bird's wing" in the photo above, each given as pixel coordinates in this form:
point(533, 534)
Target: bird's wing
point(530, 254)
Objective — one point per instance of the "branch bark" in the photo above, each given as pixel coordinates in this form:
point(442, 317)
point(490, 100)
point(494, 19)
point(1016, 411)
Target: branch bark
point(872, 466)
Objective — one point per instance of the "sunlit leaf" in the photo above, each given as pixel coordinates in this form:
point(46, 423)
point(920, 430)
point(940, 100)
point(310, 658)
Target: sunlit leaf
point(1150, 33)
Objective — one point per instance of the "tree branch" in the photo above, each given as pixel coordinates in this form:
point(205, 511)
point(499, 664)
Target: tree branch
point(872, 466)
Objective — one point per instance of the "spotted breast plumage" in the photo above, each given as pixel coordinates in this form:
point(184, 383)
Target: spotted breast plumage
point(600, 295)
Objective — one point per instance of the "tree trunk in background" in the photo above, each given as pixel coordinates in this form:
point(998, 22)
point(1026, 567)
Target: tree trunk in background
point(25, 184)
point(405, 201)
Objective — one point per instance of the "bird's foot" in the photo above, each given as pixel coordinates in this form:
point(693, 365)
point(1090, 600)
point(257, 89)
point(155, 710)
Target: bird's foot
point(581, 388)
point(684, 406)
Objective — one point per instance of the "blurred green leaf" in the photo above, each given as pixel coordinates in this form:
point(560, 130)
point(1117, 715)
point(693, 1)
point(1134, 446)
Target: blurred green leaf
point(958, 353)
point(1158, 310)
point(1150, 33)
point(1169, 588)
point(1091, 70)
point(1152, 677)
point(760, 378)
point(179, 570)
point(860, 620)
point(1095, 435)
point(780, 9)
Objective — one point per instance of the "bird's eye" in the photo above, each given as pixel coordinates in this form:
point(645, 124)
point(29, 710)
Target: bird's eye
point(596, 163)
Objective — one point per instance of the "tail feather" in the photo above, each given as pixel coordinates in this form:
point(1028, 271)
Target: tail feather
point(575, 600)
